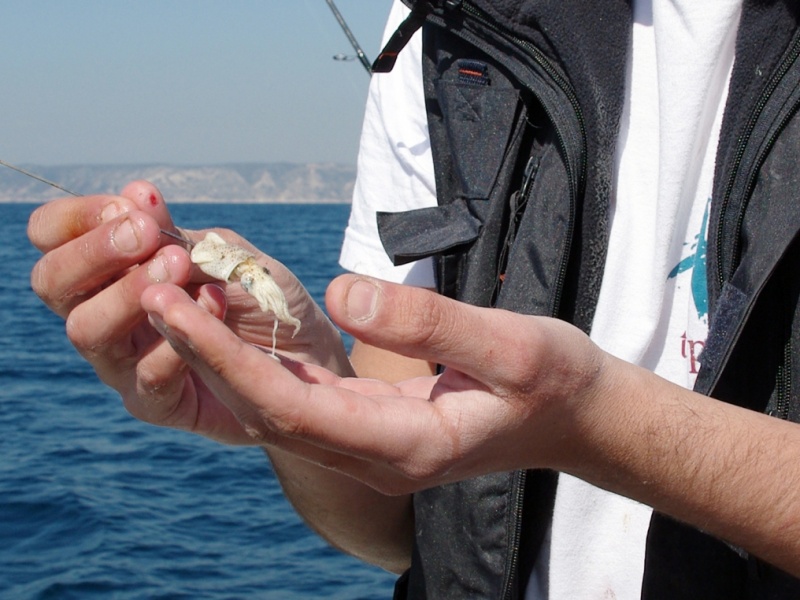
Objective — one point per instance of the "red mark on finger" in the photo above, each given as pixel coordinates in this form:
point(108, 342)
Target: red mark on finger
point(153, 200)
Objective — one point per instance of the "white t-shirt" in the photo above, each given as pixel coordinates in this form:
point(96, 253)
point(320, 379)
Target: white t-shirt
point(652, 308)
point(395, 167)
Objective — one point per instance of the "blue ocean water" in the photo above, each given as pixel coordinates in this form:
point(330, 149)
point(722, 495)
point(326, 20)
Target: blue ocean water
point(94, 504)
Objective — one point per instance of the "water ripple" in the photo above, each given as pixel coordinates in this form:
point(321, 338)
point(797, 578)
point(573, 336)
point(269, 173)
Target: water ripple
point(94, 504)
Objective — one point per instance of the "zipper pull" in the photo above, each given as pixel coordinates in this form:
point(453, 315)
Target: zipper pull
point(516, 204)
point(527, 176)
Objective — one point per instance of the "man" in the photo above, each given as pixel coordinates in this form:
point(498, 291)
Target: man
point(518, 392)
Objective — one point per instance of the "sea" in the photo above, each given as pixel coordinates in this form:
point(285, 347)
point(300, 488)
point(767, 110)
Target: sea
point(95, 504)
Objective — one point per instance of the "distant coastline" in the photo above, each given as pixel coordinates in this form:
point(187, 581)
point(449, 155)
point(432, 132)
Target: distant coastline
point(238, 183)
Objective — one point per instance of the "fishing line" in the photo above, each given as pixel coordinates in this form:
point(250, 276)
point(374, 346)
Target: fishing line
point(38, 178)
point(174, 236)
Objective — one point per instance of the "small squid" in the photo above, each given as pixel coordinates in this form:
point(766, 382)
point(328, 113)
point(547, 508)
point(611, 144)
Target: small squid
point(228, 262)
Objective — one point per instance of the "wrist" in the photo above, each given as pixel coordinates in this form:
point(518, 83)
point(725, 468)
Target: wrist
point(600, 414)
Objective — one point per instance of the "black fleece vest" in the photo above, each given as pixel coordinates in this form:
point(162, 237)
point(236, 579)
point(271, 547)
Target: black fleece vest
point(524, 100)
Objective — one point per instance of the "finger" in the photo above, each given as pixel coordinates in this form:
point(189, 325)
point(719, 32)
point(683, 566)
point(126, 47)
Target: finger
point(147, 197)
point(60, 221)
point(100, 328)
point(183, 402)
point(423, 324)
point(510, 354)
point(276, 407)
point(66, 274)
point(221, 367)
point(161, 363)
point(226, 363)
point(161, 392)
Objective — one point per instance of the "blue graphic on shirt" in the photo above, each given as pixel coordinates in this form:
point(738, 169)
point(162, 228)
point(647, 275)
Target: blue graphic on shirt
point(697, 262)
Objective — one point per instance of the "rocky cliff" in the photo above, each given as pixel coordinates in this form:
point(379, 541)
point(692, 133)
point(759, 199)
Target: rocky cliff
point(274, 182)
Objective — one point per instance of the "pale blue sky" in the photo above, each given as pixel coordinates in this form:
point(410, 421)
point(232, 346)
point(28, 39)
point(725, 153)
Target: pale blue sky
point(182, 81)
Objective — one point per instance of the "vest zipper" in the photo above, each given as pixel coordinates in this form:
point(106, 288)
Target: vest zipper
point(517, 203)
point(750, 133)
point(766, 133)
point(571, 148)
point(512, 558)
point(576, 175)
point(576, 180)
point(784, 384)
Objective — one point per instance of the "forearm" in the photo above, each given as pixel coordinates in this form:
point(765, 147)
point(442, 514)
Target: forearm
point(728, 471)
point(348, 514)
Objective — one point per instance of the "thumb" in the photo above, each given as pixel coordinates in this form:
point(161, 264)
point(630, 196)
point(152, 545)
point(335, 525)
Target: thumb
point(423, 324)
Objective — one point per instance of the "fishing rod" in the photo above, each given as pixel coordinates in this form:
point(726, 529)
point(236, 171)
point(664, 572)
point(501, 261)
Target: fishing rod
point(352, 39)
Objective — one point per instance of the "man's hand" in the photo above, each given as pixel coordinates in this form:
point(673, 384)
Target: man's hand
point(512, 390)
point(517, 392)
point(102, 252)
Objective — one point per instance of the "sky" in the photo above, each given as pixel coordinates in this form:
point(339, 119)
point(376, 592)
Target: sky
point(182, 82)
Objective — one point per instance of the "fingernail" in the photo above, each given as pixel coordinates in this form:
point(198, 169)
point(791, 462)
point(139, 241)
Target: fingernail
point(110, 212)
point(158, 269)
point(212, 299)
point(207, 305)
point(362, 298)
point(124, 237)
point(203, 303)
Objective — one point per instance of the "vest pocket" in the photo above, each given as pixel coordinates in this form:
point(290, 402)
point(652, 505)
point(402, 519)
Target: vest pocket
point(480, 120)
